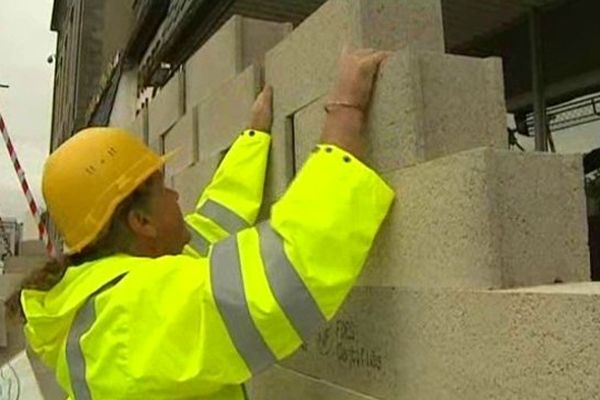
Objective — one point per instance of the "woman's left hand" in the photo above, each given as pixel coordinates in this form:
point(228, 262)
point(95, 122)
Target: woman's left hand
point(262, 111)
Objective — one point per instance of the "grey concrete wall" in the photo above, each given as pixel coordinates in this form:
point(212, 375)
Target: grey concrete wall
point(432, 316)
point(238, 44)
point(395, 343)
point(166, 107)
point(419, 110)
point(310, 54)
point(484, 218)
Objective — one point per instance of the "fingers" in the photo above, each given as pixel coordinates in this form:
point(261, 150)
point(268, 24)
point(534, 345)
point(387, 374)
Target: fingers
point(265, 97)
point(262, 114)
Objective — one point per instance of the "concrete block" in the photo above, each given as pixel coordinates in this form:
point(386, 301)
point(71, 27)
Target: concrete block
point(224, 114)
point(10, 282)
point(32, 247)
point(283, 384)
point(139, 126)
point(183, 137)
point(310, 53)
point(258, 37)
point(166, 107)
point(158, 145)
point(484, 218)
point(24, 264)
point(397, 343)
point(239, 43)
point(190, 182)
point(425, 105)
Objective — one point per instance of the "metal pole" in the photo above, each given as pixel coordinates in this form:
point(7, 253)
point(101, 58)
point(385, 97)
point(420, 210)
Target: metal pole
point(537, 76)
point(4, 86)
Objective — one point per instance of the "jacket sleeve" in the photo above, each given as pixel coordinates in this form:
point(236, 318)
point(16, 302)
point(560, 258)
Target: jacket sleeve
point(267, 288)
point(232, 199)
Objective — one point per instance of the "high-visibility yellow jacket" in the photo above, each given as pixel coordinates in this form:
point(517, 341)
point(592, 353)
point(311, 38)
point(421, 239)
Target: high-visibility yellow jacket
point(198, 325)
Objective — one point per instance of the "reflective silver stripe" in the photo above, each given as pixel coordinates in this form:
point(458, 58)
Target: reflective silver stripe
point(199, 242)
point(230, 297)
point(223, 216)
point(289, 289)
point(83, 321)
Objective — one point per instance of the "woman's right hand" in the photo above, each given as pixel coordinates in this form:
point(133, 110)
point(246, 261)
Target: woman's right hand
point(350, 97)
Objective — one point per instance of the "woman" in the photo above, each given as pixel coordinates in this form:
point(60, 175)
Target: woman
point(138, 314)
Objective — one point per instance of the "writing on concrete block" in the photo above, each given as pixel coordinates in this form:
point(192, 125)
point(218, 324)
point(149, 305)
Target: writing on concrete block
point(340, 341)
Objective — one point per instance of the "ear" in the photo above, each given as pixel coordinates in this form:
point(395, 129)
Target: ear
point(141, 224)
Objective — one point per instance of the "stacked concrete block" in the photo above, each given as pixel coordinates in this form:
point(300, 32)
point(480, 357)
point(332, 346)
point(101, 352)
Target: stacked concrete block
point(238, 44)
point(418, 111)
point(394, 343)
point(224, 114)
point(222, 80)
point(449, 305)
point(303, 66)
point(484, 218)
point(182, 138)
point(220, 119)
point(165, 109)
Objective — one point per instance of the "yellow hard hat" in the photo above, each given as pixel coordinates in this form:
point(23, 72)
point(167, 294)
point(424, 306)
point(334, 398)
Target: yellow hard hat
point(87, 177)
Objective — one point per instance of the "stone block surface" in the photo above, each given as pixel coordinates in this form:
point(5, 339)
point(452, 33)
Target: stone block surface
point(166, 107)
point(279, 383)
point(258, 37)
point(397, 343)
point(183, 137)
point(139, 125)
point(239, 43)
point(484, 218)
point(309, 55)
point(190, 182)
point(310, 52)
point(223, 115)
point(24, 264)
point(418, 111)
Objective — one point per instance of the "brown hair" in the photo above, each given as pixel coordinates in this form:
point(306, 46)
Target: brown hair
point(115, 238)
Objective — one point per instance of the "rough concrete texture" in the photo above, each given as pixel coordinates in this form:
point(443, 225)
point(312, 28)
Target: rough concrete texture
point(440, 344)
point(283, 384)
point(166, 107)
point(309, 55)
point(223, 115)
point(418, 110)
point(183, 138)
point(484, 218)
point(190, 182)
point(239, 43)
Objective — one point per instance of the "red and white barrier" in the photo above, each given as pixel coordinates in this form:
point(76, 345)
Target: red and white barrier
point(26, 190)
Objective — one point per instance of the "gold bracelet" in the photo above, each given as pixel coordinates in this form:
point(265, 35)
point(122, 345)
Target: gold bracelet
point(345, 104)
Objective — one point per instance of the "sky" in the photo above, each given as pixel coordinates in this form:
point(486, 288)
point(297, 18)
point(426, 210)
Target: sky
point(25, 44)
